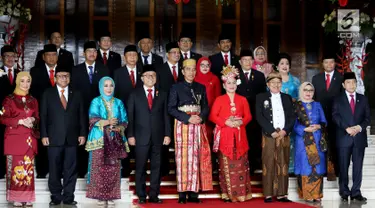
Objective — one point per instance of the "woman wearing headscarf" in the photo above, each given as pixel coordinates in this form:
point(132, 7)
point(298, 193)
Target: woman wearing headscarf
point(231, 114)
point(106, 144)
point(20, 115)
point(290, 85)
point(310, 162)
point(205, 77)
point(260, 61)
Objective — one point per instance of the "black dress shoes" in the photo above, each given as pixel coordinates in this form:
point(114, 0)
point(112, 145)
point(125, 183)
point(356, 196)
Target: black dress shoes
point(358, 198)
point(268, 200)
point(194, 200)
point(227, 200)
point(284, 199)
point(70, 203)
point(141, 201)
point(54, 203)
point(182, 200)
point(155, 200)
point(344, 198)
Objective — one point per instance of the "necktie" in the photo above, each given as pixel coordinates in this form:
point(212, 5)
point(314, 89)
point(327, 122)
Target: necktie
point(91, 73)
point(145, 60)
point(174, 73)
point(105, 58)
point(247, 76)
point(10, 76)
point(185, 56)
point(63, 99)
point(226, 61)
point(132, 77)
point(352, 103)
point(149, 98)
point(328, 81)
point(52, 77)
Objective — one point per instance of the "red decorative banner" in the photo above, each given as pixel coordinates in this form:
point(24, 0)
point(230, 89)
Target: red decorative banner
point(186, 1)
point(343, 3)
point(177, 1)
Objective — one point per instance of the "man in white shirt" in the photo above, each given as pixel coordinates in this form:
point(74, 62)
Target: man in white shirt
point(107, 57)
point(185, 42)
point(145, 56)
point(275, 114)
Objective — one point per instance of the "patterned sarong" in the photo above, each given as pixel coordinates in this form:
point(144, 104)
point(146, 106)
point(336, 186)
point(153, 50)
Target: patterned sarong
point(193, 158)
point(20, 178)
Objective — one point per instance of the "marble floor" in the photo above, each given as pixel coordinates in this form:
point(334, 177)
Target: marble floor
point(323, 204)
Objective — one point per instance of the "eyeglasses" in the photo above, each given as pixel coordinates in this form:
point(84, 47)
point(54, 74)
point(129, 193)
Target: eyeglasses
point(185, 41)
point(9, 56)
point(307, 90)
point(149, 76)
point(205, 65)
point(174, 52)
point(260, 54)
point(63, 76)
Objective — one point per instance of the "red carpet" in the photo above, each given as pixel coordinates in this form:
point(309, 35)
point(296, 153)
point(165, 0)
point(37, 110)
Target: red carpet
point(217, 203)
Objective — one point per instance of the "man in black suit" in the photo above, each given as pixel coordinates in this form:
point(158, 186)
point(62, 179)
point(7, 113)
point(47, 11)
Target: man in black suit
point(63, 127)
point(328, 85)
point(64, 57)
point(275, 114)
point(145, 57)
point(149, 129)
point(8, 74)
point(351, 114)
point(108, 58)
point(127, 78)
point(43, 78)
point(171, 71)
point(85, 78)
point(252, 83)
point(224, 57)
point(185, 43)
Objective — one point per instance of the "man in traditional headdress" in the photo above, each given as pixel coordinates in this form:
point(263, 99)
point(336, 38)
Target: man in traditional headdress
point(189, 106)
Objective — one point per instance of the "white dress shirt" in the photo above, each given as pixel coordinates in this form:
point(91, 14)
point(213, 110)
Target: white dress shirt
point(135, 73)
point(229, 58)
point(330, 75)
point(170, 67)
point(149, 58)
point(54, 69)
point(248, 75)
point(87, 68)
point(7, 69)
point(101, 53)
point(188, 54)
point(66, 94)
point(278, 116)
point(58, 51)
point(146, 91)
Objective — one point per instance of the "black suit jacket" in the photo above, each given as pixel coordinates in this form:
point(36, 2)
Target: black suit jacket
point(264, 112)
point(124, 85)
point(40, 81)
point(217, 62)
point(5, 87)
point(165, 77)
point(80, 81)
point(343, 118)
point(157, 60)
point(148, 125)
point(62, 127)
point(326, 97)
point(65, 57)
point(195, 56)
point(256, 85)
point(113, 62)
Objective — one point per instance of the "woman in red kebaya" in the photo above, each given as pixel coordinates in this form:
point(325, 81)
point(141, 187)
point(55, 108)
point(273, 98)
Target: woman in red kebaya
point(205, 77)
point(231, 114)
point(20, 115)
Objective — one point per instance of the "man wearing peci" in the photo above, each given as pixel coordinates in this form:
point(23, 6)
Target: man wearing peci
point(146, 57)
point(63, 127)
point(105, 56)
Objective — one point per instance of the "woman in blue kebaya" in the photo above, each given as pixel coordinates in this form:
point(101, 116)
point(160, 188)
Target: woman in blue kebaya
point(289, 86)
point(106, 144)
point(310, 160)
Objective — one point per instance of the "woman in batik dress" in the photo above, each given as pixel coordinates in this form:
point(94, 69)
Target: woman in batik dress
point(106, 144)
point(310, 162)
point(289, 86)
point(231, 114)
point(20, 115)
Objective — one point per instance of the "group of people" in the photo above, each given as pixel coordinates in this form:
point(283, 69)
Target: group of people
point(88, 120)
